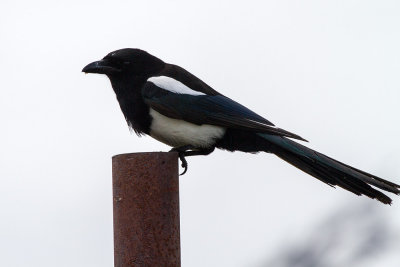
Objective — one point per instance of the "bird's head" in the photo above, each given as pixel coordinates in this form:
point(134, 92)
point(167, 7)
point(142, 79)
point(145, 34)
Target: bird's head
point(127, 62)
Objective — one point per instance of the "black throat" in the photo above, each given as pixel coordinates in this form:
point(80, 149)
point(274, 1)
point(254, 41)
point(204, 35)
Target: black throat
point(129, 96)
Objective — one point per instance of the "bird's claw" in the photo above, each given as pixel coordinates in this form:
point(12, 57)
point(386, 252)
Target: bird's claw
point(181, 154)
point(184, 163)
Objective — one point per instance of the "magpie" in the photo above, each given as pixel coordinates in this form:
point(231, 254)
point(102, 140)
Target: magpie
point(175, 107)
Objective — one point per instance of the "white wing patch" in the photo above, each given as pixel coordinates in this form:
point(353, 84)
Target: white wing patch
point(172, 85)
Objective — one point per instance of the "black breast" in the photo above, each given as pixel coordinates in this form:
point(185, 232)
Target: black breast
point(130, 100)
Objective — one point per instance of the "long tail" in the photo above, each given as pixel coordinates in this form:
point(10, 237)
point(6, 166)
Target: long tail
point(330, 171)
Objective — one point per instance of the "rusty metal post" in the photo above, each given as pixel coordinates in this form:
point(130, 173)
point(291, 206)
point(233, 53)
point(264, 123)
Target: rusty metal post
point(146, 210)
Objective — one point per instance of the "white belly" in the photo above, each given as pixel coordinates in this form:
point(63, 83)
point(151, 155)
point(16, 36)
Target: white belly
point(178, 133)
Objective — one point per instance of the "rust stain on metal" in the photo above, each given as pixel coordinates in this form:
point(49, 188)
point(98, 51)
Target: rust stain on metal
point(146, 210)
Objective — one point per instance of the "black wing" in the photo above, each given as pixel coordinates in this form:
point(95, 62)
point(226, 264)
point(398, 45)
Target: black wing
point(209, 109)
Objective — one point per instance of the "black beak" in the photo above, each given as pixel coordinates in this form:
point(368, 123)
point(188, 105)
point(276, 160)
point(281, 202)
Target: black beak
point(102, 67)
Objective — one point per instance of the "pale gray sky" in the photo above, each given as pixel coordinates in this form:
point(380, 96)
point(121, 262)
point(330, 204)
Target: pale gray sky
point(326, 70)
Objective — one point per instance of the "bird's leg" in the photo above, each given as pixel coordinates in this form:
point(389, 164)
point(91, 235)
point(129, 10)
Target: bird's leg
point(182, 153)
point(199, 152)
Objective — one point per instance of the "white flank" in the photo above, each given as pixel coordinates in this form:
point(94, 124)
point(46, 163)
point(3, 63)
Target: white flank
point(178, 133)
point(172, 85)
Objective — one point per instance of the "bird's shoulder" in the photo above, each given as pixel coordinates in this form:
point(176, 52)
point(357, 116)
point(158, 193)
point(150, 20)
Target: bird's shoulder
point(175, 76)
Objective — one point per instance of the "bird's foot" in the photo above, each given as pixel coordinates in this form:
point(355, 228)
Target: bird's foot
point(181, 153)
point(184, 162)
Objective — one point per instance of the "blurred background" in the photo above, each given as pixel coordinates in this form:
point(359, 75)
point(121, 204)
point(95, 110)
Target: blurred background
point(326, 70)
